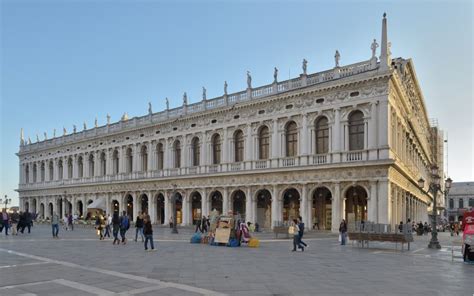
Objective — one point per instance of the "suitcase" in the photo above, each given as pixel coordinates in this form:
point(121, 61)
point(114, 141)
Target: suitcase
point(254, 243)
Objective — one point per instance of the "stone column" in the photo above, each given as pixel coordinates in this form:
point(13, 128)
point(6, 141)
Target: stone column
point(152, 206)
point(372, 203)
point(275, 146)
point(65, 168)
point(205, 203)
point(225, 200)
point(185, 209)
point(304, 139)
point(136, 158)
point(304, 205)
point(383, 130)
point(275, 216)
point(336, 208)
point(248, 147)
point(336, 132)
point(383, 202)
point(248, 205)
point(372, 130)
point(167, 207)
point(123, 160)
point(151, 157)
point(395, 206)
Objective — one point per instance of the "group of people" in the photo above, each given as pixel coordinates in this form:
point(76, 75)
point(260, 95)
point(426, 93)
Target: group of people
point(15, 221)
point(297, 230)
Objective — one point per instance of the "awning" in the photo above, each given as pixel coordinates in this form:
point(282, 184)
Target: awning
point(97, 204)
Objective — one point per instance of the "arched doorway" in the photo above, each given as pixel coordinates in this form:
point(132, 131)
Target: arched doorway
point(196, 209)
point(88, 213)
point(42, 211)
point(60, 208)
point(264, 208)
point(33, 207)
point(291, 204)
point(115, 206)
point(356, 204)
point(144, 203)
point(238, 203)
point(321, 210)
point(51, 209)
point(216, 202)
point(129, 203)
point(160, 208)
point(179, 208)
point(27, 206)
point(80, 209)
point(68, 207)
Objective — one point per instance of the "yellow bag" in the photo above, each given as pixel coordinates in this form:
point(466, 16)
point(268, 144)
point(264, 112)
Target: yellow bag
point(254, 243)
point(291, 230)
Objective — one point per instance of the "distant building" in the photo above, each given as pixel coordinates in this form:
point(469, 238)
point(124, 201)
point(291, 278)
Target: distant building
point(460, 199)
point(348, 142)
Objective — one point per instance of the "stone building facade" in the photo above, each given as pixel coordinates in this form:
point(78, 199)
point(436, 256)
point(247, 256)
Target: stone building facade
point(350, 140)
point(459, 200)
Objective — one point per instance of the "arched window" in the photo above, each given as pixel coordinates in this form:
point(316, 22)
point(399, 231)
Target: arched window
point(263, 143)
point(69, 168)
point(51, 171)
point(129, 160)
point(177, 154)
point(216, 149)
point(291, 133)
point(91, 165)
point(471, 202)
point(322, 136)
point(80, 165)
point(461, 203)
point(144, 154)
point(451, 203)
point(160, 155)
point(27, 174)
point(103, 164)
point(239, 146)
point(356, 131)
point(115, 161)
point(196, 151)
point(35, 172)
point(60, 169)
point(42, 171)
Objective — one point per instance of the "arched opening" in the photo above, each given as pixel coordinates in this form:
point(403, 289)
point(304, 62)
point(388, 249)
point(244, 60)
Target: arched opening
point(33, 208)
point(160, 153)
point(60, 169)
point(115, 206)
point(129, 162)
point(179, 208)
point(217, 202)
point(80, 209)
point(51, 171)
point(27, 174)
point(196, 209)
point(196, 151)
point(51, 209)
point(35, 173)
point(291, 139)
point(160, 208)
point(356, 130)
point(356, 204)
point(115, 162)
point(177, 154)
point(144, 158)
point(42, 211)
point(291, 204)
point(264, 208)
point(103, 164)
point(80, 166)
point(322, 136)
point(144, 203)
point(42, 172)
point(216, 149)
point(27, 206)
point(91, 165)
point(263, 143)
point(129, 202)
point(322, 209)
point(69, 168)
point(238, 203)
point(68, 207)
point(59, 206)
point(239, 146)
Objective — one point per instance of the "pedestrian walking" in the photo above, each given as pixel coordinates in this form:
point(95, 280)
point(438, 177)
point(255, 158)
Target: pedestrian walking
point(343, 232)
point(27, 221)
point(55, 225)
point(139, 227)
point(108, 223)
point(400, 227)
point(171, 222)
point(15, 219)
point(301, 231)
point(198, 225)
point(124, 226)
point(148, 230)
point(204, 224)
point(70, 222)
point(99, 225)
point(116, 227)
point(295, 231)
point(5, 221)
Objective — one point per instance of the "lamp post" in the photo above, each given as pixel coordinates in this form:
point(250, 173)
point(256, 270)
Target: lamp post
point(175, 229)
point(434, 188)
point(5, 201)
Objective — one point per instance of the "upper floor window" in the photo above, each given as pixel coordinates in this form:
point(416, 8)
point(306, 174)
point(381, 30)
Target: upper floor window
point(42, 171)
point(60, 169)
point(80, 167)
point(35, 173)
point(27, 174)
point(216, 149)
point(51, 171)
point(263, 143)
point(471, 202)
point(461, 203)
point(103, 164)
point(115, 161)
point(91, 165)
point(69, 168)
point(196, 151)
point(129, 162)
point(160, 155)
point(451, 203)
point(144, 156)
point(239, 146)
point(291, 133)
point(177, 154)
point(356, 131)
point(322, 136)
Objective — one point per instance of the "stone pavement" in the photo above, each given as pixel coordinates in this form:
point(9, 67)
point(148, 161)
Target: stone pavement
point(79, 264)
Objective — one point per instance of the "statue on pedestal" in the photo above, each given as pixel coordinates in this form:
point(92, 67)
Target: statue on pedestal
point(64, 131)
point(29, 140)
point(150, 111)
point(337, 57)
point(45, 136)
point(85, 126)
point(225, 87)
point(185, 99)
point(95, 122)
point(373, 47)
point(305, 66)
point(275, 75)
point(249, 80)
point(37, 138)
point(74, 129)
point(167, 104)
point(108, 118)
point(54, 133)
point(204, 95)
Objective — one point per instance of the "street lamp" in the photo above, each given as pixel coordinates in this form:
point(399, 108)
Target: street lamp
point(175, 229)
point(434, 188)
point(5, 201)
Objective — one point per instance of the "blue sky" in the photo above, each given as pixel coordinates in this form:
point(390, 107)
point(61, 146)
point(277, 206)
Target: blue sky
point(66, 62)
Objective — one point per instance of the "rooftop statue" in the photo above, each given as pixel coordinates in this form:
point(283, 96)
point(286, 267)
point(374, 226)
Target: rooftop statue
point(337, 57)
point(64, 131)
point(374, 48)
point(185, 99)
point(85, 126)
point(249, 80)
point(74, 129)
point(225, 87)
point(150, 111)
point(305, 66)
point(167, 104)
point(108, 118)
point(54, 133)
point(95, 122)
point(125, 116)
point(275, 75)
point(37, 138)
point(29, 140)
point(204, 96)
point(45, 136)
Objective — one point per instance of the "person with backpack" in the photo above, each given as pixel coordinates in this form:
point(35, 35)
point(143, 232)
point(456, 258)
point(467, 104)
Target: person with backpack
point(124, 226)
point(116, 227)
point(301, 231)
